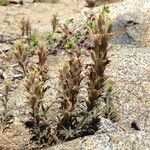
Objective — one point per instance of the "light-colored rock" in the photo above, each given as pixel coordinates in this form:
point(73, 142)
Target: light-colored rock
point(131, 28)
point(28, 1)
point(109, 141)
point(129, 69)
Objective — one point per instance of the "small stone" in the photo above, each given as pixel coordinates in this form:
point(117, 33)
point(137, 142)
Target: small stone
point(28, 1)
point(1, 77)
point(135, 125)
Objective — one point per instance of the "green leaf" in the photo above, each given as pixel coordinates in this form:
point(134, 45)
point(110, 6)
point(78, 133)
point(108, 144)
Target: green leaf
point(106, 9)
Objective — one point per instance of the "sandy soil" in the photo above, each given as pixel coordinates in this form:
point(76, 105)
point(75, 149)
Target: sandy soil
point(39, 14)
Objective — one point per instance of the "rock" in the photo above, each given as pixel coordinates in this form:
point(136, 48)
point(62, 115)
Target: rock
point(28, 1)
point(142, 5)
point(109, 141)
point(129, 70)
point(131, 28)
point(106, 126)
point(1, 77)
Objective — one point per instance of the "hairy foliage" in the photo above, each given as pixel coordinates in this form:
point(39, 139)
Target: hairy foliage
point(38, 123)
point(109, 109)
point(100, 60)
point(33, 44)
point(25, 27)
point(71, 78)
point(20, 51)
point(42, 57)
point(6, 117)
point(54, 22)
point(74, 121)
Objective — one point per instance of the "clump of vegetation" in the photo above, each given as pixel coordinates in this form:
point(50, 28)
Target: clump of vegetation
point(62, 36)
point(6, 117)
point(33, 44)
point(71, 44)
point(70, 78)
point(68, 42)
point(100, 60)
point(75, 117)
point(4, 2)
point(31, 39)
point(20, 51)
point(109, 109)
point(42, 56)
point(74, 121)
point(25, 27)
point(54, 22)
point(38, 123)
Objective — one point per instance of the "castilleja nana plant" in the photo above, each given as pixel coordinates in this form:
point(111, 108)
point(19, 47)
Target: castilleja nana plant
point(96, 70)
